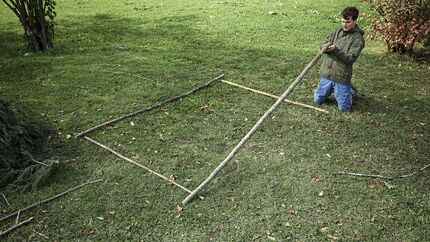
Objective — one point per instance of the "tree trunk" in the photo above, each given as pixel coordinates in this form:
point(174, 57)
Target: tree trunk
point(38, 30)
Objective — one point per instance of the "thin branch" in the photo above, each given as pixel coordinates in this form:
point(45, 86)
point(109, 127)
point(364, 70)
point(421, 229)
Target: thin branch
point(380, 176)
point(12, 8)
point(149, 108)
point(4, 197)
point(49, 199)
point(136, 163)
point(16, 226)
point(32, 159)
point(44, 236)
point(125, 73)
point(17, 217)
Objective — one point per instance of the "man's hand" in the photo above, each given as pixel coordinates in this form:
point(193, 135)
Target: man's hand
point(330, 48)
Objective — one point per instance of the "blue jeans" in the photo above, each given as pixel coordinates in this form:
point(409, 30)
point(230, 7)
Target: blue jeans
point(342, 93)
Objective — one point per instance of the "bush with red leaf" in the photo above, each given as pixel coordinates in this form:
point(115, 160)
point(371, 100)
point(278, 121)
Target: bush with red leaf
point(403, 23)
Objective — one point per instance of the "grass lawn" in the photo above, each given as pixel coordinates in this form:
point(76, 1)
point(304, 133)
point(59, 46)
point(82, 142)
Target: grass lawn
point(112, 57)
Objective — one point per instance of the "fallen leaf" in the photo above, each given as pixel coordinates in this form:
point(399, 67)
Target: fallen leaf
point(292, 211)
point(323, 230)
point(132, 123)
point(321, 194)
point(332, 237)
point(32, 236)
point(389, 186)
point(178, 208)
point(271, 238)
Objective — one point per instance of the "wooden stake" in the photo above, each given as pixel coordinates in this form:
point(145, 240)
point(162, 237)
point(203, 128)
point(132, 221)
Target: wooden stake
point(136, 163)
point(158, 104)
point(48, 199)
point(380, 176)
point(256, 126)
point(273, 96)
point(16, 226)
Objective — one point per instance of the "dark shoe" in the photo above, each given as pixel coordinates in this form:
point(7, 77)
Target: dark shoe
point(353, 92)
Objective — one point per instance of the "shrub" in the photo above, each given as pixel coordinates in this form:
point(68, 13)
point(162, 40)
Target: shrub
point(403, 23)
point(37, 18)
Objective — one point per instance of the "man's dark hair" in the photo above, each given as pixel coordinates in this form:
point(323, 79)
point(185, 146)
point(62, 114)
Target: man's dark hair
point(350, 12)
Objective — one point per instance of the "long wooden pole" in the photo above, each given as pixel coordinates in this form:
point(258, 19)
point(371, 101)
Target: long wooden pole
point(110, 122)
point(273, 96)
point(256, 126)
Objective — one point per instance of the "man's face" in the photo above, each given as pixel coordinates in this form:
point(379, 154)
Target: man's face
point(348, 24)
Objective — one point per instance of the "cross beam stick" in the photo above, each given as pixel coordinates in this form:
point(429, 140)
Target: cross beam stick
point(273, 96)
point(256, 126)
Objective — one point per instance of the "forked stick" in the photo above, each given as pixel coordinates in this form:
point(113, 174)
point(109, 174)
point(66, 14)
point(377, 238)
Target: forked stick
point(256, 126)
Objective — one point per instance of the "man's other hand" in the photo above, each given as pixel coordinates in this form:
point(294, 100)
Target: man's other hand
point(330, 48)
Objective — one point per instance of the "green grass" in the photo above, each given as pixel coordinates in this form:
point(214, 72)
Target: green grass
point(272, 188)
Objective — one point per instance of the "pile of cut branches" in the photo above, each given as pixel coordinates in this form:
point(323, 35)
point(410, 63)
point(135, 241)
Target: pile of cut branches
point(20, 144)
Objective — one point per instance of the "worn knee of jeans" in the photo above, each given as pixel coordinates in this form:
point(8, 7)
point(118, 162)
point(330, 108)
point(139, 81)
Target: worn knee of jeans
point(344, 103)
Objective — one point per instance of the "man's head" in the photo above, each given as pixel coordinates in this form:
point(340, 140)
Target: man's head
point(349, 18)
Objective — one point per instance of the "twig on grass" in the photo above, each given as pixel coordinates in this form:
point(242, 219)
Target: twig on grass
point(16, 226)
point(44, 236)
point(380, 176)
point(17, 217)
point(4, 197)
point(136, 163)
point(125, 73)
point(48, 199)
point(158, 104)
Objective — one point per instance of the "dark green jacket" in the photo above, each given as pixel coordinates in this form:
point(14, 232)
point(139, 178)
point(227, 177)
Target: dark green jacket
point(337, 65)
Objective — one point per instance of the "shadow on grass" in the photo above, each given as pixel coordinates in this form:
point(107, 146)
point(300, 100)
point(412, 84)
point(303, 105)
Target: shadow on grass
point(11, 44)
point(170, 47)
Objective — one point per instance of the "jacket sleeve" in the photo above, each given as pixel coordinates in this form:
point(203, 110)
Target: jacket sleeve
point(328, 39)
point(352, 55)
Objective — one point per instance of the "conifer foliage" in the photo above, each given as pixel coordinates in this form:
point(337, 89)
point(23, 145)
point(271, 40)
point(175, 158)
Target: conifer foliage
point(19, 142)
